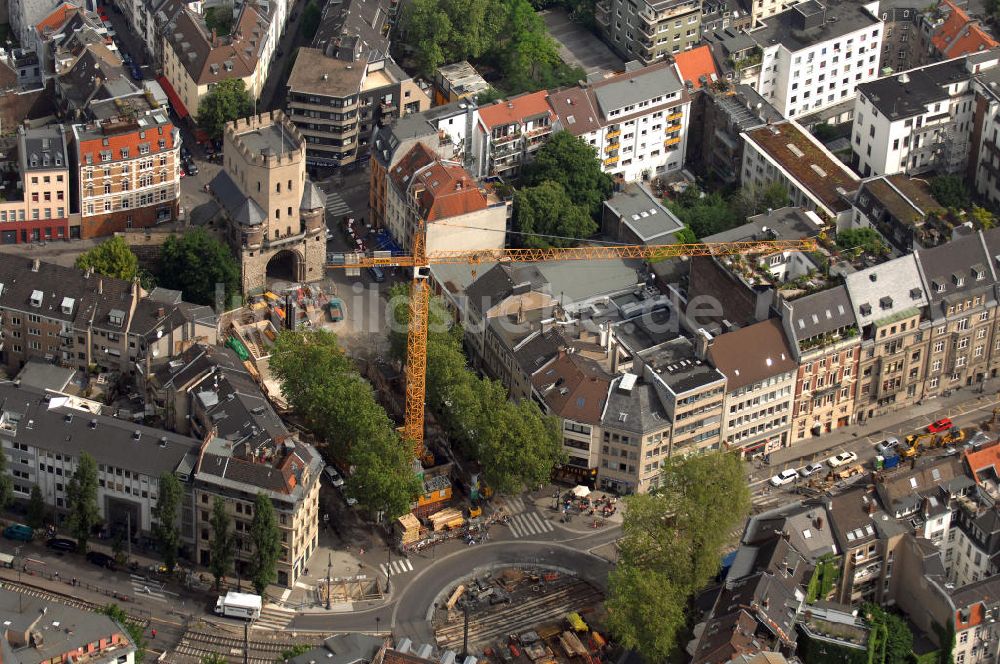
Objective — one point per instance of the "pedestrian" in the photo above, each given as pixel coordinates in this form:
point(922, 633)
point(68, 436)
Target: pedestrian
point(361, 551)
point(154, 632)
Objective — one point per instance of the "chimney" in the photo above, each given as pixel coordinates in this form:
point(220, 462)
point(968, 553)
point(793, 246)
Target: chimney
point(36, 264)
point(100, 286)
point(702, 342)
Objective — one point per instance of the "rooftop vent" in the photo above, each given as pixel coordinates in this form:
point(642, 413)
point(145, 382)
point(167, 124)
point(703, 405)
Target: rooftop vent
point(36, 298)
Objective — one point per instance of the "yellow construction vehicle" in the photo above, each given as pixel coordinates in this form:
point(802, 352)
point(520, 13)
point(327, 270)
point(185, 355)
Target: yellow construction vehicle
point(914, 441)
point(954, 436)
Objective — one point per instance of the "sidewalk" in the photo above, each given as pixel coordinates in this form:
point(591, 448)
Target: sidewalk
point(545, 503)
point(930, 409)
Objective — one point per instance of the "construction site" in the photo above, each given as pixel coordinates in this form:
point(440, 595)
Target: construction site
point(523, 615)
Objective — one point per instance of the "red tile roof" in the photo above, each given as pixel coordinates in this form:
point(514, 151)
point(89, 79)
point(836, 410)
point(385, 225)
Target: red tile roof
point(125, 135)
point(418, 157)
point(516, 109)
point(975, 617)
point(696, 63)
point(958, 35)
point(56, 19)
point(449, 191)
point(984, 459)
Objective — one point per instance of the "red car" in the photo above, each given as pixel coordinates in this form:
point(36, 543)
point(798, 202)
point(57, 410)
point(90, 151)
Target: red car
point(941, 425)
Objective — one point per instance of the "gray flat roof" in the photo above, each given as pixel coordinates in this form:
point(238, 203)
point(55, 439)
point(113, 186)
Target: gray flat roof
point(643, 214)
point(639, 86)
point(676, 364)
point(907, 93)
point(272, 138)
point(45, 376)
point(784, 28)
point(787, 223)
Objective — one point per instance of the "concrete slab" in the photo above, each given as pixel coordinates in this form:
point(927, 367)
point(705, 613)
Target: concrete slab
point(578, 46)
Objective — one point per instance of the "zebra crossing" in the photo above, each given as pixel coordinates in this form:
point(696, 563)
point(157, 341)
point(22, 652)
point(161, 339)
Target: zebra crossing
point(510, 504)
point(146, 588)
point(273, 617)
point(397, 567)
point(336, 207)
point(529, 523)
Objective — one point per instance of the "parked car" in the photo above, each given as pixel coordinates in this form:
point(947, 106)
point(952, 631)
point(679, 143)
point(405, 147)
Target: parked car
point(784, 477)
point(811, 469)
point(348, 498)
point(101, 559)
point(841, 459)
point(191, 167)
point(335, 478)
point(19, 532)
point(61, 544)
point(978, 440)
point(940, 425)
point(887, 446)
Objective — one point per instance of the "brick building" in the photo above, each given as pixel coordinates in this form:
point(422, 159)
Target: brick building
point(128, 173)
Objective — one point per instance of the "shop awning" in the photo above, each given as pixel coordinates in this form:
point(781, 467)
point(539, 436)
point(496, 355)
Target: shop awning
point(175, 101)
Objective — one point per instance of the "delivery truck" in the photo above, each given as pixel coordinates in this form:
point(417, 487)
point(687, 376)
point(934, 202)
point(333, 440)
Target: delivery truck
point(238, 605)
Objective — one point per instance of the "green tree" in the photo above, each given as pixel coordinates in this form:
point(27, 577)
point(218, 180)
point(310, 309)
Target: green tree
point(311, 17)
point(574, 164)
point(983, 217)
point(546, 217)
point(674, 536)
point(214, 659)
point(111, 258)
point(646, 611)
point(686, 236)
point(951, 192)
point(899, 642)
point(227, 101)
point(134, 630)
point(221, 545)
point(705, 215)
point(37, 510)
point(757, 200)
point(168, 501)
point(863, 240)
point(194, 263)
point(6, 483)
point(294, 651)
point(82, 501)
point(220, 19)
point(266, 540)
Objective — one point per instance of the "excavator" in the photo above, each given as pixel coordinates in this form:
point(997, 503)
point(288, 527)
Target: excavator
point(915, 441)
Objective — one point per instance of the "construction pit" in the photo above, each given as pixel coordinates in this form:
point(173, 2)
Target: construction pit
point(517, 616)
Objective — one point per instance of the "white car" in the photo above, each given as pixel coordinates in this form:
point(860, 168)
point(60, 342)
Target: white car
point(335, 478)
point(811, 469)
point(784, 477)
point(843, 458)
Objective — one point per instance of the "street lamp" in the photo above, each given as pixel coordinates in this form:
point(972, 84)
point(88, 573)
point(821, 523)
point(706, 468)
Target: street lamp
point(329, 565)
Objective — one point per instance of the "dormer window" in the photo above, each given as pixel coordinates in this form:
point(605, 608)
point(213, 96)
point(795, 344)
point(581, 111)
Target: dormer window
point(124, 152)
point(914, 293)
point(866, 309)
point(36, 298)
point(938, 286)
point(116, 317)
point(958, 279)
point(979, 272)
point(885, 302)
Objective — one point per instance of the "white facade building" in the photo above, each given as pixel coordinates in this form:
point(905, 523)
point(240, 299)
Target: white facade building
point(814, 57)
point(918, 120)
point(637, 121)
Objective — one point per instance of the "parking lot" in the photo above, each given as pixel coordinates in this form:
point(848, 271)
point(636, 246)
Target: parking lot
point(578, 46)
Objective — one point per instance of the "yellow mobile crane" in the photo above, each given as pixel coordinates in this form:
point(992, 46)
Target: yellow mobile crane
point(420, 261)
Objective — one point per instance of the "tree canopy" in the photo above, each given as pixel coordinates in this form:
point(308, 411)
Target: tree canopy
point(515, 443)
point(37, 510)
point(82, 501)
point(758, 200)
point(864, 240)
point(266, 540)
point(951, 191)
point(546, 217)
point(574, 164)
point(323, 386)
point(221, 544)
point(311, 17)
point(220, 19)
point(194, 263)
point(167, 533)
point(227, 101)
point(899, 638)
point(111, 258)
point(671, 544)
point(507, 35)
point(705, 215)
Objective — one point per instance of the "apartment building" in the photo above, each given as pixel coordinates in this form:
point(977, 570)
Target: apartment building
point(637, 121)
point(822, 332)
point(128, 173)
point(443, 198)
point(446, 130)
point(759, 387)
point(889, 302)
point(36, 188)
point(648, 31)
point(275, 212)
point(727, 115)
point(458, 81)
point(813, 57)
point(948, 32)
point(960, 283)
point(195, 59)
point(916, 121)
point(44, 434)
point(509, 132)
point(974, 542)
point(900, 208)
point(901, 45)
point(984, 157)
point(814, 178)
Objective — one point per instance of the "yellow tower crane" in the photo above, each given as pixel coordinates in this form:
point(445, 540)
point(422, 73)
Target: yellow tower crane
point(420, 261)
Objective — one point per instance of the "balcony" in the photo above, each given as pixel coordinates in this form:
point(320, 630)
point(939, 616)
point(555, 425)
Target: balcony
point(648, 30)
point(675, 116)
point(538, 131)
point(612, 147)
point(614, 134)
point(611, 160)
point(506, 138)
point(672, 141)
